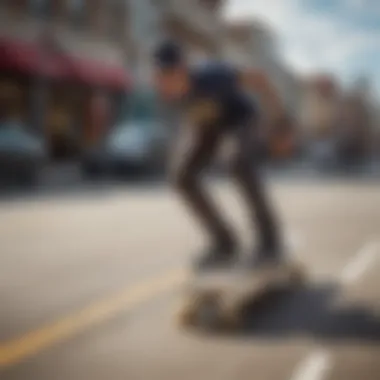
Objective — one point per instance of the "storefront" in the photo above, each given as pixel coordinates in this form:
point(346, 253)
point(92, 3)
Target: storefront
point(63, 120)
point(16, 63)
point(14, 97)
point(68, 101)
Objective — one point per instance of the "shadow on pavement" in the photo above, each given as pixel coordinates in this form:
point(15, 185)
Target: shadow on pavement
point(311, 312)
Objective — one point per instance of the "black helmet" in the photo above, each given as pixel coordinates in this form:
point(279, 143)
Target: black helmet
point(168, 54)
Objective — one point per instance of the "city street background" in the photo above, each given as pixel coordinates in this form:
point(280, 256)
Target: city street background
point(95, 245)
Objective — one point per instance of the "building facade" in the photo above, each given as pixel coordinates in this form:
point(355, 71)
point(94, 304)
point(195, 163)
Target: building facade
point(196, 24)
point(321, 107)
point(251, 44)
point(357, 126)
point(62, 68)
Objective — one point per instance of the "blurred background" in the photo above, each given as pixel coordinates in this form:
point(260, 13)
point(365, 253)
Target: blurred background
point(93, 243)
point(76, 96)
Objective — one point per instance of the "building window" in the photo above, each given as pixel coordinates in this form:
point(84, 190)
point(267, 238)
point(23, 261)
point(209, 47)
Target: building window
point(117, 20)
point(18, 6)
point(14, 99)
point(96, 15)
point(107, 18)
point(39, 7)
point(64, 120)
point(59, 9)
point(77, 12)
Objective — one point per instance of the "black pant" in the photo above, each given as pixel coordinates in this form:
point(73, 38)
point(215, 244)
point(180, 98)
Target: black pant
point(197, 146)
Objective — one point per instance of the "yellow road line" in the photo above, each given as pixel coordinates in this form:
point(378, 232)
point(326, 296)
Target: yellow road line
point(36, 341)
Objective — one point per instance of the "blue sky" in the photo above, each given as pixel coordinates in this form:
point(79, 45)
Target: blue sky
point(338, 36)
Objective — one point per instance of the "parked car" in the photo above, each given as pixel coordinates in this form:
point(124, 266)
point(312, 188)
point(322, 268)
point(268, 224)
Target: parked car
point(135, 145)
point(131, 148)
point(21, 155)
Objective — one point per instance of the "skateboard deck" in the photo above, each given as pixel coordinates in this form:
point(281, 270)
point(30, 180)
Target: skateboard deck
point(217, 299)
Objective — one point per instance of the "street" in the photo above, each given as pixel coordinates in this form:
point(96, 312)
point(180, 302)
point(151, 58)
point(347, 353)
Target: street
point(89, 285)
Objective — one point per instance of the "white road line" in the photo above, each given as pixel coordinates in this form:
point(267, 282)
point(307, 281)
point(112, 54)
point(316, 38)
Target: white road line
point(360, 263)
point(315, 366)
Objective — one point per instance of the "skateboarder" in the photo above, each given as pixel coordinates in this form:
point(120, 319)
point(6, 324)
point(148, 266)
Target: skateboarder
point(214, 103)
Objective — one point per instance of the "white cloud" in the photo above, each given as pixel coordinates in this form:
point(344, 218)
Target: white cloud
point(310, 42)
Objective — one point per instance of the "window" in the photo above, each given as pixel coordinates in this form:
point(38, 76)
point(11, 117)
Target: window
point(59, 9)
point(18, 5)
point(117, 20)
point(5, 3)
point(77, 12)
point(93, 13)
point(14, 99)
point(40, 8)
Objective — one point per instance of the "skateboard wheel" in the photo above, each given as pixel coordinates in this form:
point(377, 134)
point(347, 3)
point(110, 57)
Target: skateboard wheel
point(233, 320)
point(199, 310)
point(186, 317)
point(204, 311)
point(186, 311)
point(209, 313)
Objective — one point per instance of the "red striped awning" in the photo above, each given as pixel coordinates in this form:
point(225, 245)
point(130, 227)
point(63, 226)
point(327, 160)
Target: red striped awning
point(18, 56)
point(30, 58)
point(100, 74)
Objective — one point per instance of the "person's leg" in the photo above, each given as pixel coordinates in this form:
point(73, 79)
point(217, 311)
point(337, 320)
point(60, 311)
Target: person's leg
point(195, 150)
point(245, 169)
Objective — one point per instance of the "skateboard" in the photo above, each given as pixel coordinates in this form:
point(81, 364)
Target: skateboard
point(217, 300)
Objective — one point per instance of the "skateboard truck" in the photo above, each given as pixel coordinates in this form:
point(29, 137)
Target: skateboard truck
point(219, 303)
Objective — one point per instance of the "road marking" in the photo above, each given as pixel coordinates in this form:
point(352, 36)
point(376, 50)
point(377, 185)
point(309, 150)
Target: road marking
point(317, 365)
point(38, 340)
point(360, 263)
point(35, 341)
point(314, 367)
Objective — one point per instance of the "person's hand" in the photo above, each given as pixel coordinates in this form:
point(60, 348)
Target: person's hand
point(203, 112)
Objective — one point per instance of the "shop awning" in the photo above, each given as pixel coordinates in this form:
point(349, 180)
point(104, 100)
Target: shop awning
point(18, 56)
point(30, 58)
point(100, 74)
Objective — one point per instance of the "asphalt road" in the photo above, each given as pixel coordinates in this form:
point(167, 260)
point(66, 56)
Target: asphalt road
point(88, 287)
